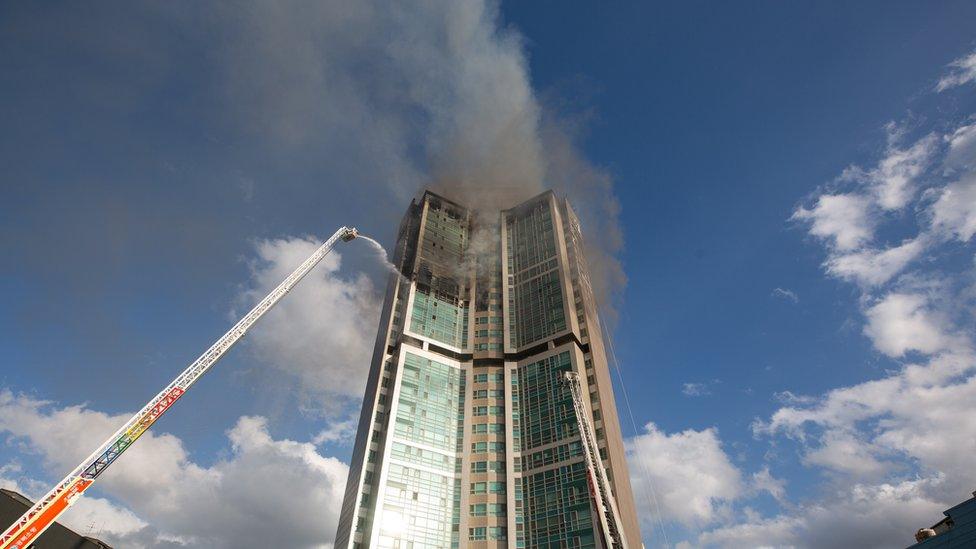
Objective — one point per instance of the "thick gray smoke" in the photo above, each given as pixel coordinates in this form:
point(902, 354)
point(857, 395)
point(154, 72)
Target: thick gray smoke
point(400, 98)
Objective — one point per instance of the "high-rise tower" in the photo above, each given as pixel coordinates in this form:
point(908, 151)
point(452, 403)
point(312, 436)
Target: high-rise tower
point(468, 436)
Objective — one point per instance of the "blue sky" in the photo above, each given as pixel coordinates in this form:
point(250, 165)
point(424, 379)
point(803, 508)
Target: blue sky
point(796, 190)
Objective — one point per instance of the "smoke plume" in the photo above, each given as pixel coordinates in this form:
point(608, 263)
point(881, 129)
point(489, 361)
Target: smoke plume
point(396, 99)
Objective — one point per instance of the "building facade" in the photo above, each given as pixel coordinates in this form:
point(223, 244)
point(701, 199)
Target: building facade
point(956, 531)
point(468, 436)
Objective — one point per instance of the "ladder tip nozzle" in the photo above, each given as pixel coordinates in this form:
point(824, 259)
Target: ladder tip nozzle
point(349, 234)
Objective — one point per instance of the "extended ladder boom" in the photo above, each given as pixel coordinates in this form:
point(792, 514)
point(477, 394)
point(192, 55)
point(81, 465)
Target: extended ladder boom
point(606, 506)
point(47, 509)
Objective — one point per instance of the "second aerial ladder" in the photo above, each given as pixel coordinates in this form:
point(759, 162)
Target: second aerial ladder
point(606, 506)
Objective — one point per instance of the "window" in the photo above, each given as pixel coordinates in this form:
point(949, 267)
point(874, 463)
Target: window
point(488, 347)
point(481, 378)
point(482, 447)
point(477, 533)
point(486, 466)
point(479, 510)
point(481, 410)
point(496, 487)
point(479, 487)
point(497, 533)
point(480, 394)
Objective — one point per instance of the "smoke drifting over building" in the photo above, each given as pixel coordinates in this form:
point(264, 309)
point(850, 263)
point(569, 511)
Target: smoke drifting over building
point(398, 99)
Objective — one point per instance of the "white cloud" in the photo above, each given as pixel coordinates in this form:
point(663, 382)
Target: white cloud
point(295, 502)
point(780, 532)
point(962, 148)
point(100, 518)
point(695, 389)
point(904, 322)
point(848, 221)
point(784, 293)
point(954, 212)
point(764, 481)
point(880, 516)
point(961, 71)
point(843, 451)
point(842, 218)
point(894, 180)
point(336, 431)
point(903, 414)
point(692, 476)
point(895, 451)
point(322, 334)
point(869, 267)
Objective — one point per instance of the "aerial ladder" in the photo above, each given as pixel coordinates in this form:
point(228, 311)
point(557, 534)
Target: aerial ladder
point(22, 533)
point(605, 505)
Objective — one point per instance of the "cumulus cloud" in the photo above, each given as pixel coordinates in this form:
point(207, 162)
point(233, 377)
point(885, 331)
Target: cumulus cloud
point(961, 71)
point(888, 446)
point(893, 450)
point(322, 334)
point(848, 221)
point(869, 267)
point(954, 212)
point(962, 148)
point(894, 180)
point(764, 481)
point(869, 516)
point(839, 450)
point(188, 504)
point(904, 322)
point(100, 518)
point(690, 473)
point(841, 218)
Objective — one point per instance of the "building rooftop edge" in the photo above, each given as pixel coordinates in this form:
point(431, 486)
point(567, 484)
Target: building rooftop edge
point(427, 191)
